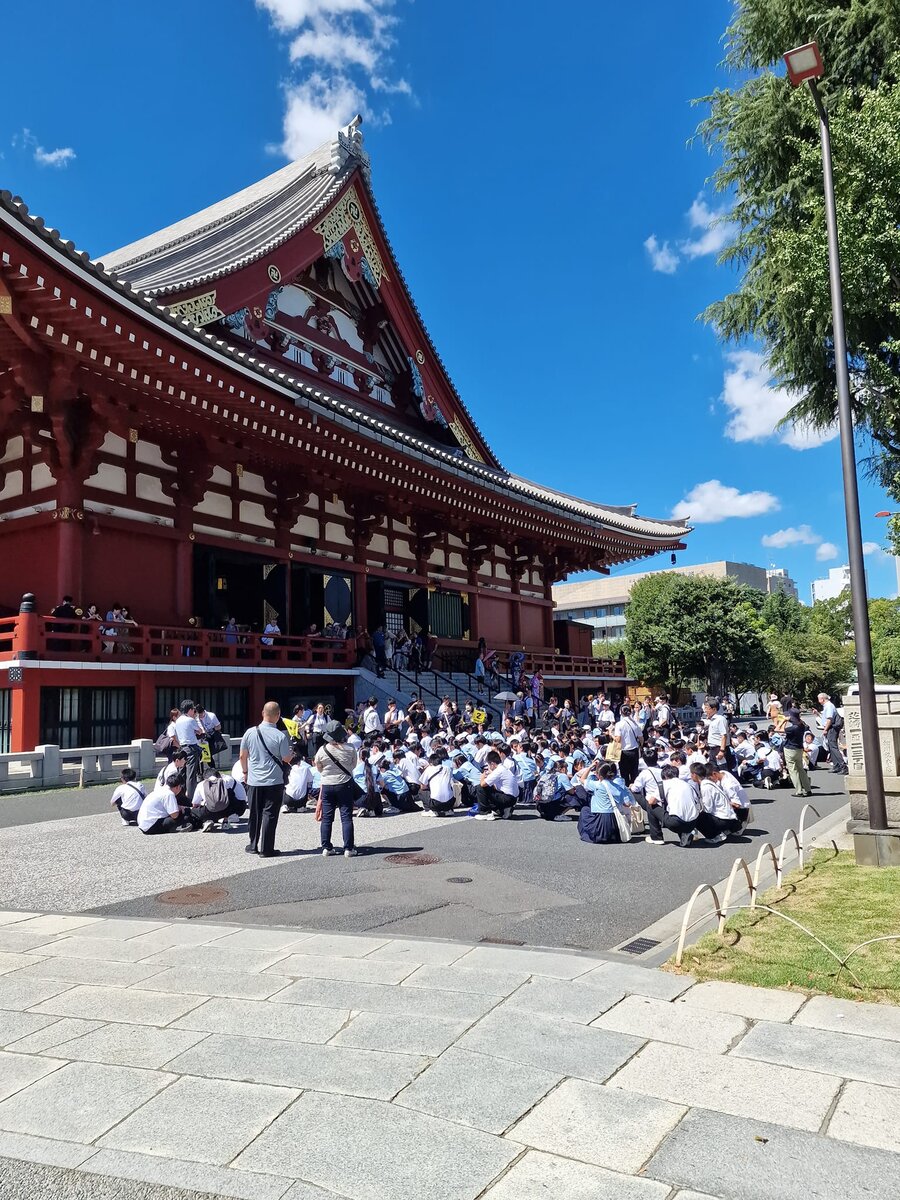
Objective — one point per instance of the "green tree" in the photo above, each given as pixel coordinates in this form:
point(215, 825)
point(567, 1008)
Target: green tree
point(765, 134)
point(886, 659)
point(833, 618)
point(804, 664)
point(681, 628)
point(783, 613)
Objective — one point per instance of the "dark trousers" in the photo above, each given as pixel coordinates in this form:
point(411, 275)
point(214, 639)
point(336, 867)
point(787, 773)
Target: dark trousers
point(526, 792)
point(164, 825)
point(337, 798)
point(405, 801)
point(491, 799)
point(436, 806)
point(677, 825)
point(629, 765)
point(126, 814)
point(265, 806)
point(655, 816)
point(191, 770)
point(235, 808)
point(292, 804)
point(711, 826)
point(548, 810)
point(371, 802)
point(838, 765)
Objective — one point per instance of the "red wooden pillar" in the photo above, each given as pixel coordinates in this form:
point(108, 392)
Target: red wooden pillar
point(184, 579)
point(474, 628)
point(25, 733)
point(145, 706)
point(70, 539)
point(360, 601)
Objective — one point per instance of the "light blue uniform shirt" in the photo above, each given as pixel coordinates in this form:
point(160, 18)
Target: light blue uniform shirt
point(605, 793)
point(468, 772)
point(393, 780)
point(527, 766)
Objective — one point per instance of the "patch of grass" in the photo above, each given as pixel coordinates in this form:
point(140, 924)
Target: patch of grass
point(842, 904)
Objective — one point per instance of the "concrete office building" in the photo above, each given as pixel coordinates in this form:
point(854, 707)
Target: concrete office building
point(602, 602)
point(831, 588)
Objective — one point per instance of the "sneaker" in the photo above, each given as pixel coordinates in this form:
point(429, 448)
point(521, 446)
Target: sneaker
point(124, 820)
point(390, 811)
point(562, 818)
point(486, 817)
point(718, 839)
point(326, 853)
point(429, 812)
point(350, 853)
point(233, 820)
point(209, 826)
point(473, 811)
point(651, 841)
point(364, 812)
point(686, 838)
point(285, 808)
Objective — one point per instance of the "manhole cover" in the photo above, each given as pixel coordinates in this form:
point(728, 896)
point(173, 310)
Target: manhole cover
point(412, 860)
point(459, 879)
point(193, 895)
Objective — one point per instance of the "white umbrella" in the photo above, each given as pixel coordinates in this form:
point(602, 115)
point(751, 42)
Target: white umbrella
point(505, 696)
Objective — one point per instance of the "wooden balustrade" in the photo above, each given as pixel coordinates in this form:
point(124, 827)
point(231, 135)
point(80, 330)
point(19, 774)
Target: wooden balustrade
point(66, 639)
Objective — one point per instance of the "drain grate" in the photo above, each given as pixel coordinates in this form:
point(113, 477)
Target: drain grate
point(201, 894)
point(459, 879)
point(639, 946)
point(412, 860)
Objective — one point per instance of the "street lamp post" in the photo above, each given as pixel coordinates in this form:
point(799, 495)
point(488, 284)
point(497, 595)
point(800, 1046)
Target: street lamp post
point(805, 65)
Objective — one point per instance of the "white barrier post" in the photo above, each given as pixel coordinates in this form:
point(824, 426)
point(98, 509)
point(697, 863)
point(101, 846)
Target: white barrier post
point(51, 764)
point(142, 758)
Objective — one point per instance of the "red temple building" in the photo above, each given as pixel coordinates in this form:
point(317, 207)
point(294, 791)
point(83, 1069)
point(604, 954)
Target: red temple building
point(243, 416)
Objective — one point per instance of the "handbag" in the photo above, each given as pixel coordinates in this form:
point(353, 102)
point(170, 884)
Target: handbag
point(318, 813)
point(216, 742)
point(285, 768)
point(359, 791)
point(614, 752)
point(623, 820)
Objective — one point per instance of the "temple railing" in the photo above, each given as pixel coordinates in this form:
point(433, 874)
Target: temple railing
point(457, 656)
point(30, 636)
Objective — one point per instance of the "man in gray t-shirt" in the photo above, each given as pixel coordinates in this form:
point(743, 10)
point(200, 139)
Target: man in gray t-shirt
point(264, 748)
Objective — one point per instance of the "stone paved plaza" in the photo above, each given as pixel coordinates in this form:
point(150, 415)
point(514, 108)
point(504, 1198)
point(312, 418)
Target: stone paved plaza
point(272, 1063)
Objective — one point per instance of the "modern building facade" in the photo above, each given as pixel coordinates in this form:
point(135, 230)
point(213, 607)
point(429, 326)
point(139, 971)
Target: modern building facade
point(831, 587)
point(601, 603)
point(243, 416)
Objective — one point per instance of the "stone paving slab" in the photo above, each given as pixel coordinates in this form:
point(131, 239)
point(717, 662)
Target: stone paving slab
point(225, 1116)
point(368, 1073)
point(432, 954)
point(474, 1089)
point(391, 1001)
point(216, 958)
point(551, 1044)
point(51, 924)
point(429, 1036)
point(17, 1025)
point(849, 1016)
point(15, 940)
point(57, 1031)
point(569, 999)
point(638, 981)
point(12, 962)
point(174, 1172)
point(665, 1022)
point(129, 1045)
point(204, 982)
point(757, 1004)
point(18, 992)
point(599, 1125)
point(538, 1176)
point(285, 1022)
point(80, 1101)
point(870, 1059)
point(535, 962)
point(738, 1086)
point(350, 970)
point(328, 1141)
point(19, 1071)
point(43, 1150)
point(12, 918)
point(755, 1160)
point(87, 970)
point(132, 1006)
point(867, 1114)
point(465, 979)
point(109, 949)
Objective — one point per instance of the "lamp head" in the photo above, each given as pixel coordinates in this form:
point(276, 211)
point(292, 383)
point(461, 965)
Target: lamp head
point(804, 62)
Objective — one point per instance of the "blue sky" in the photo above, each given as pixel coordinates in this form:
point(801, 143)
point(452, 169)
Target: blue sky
point(534, 171)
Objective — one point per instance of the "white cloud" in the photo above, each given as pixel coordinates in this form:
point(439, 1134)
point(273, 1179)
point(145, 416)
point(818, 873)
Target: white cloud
point(794, 535)
point(313, 111)
point(54, 158)
point(342, 50)
point(26, 140)
point(826, 552)
point(662, 258)
point(711, 502)
point(875, 550)
point(756, 406)
point(716, 232)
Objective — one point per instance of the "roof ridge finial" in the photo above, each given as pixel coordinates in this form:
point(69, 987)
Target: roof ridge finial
point(349, 145)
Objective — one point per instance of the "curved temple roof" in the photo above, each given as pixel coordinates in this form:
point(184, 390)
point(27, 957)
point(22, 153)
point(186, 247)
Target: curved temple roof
point(248, 225)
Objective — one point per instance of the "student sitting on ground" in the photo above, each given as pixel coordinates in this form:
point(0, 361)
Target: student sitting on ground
point(397, 791)
point(297, 788)
point(608, 794)
point(128, 797)
point(161, 811)
point(724, 803)
point(218, 798)
point(173, 769)
point(499, 788)
point(467, 778)
point(437, 787)
point(682, 804)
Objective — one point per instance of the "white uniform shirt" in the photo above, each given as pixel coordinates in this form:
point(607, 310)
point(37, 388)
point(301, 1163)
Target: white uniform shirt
point(718, 729)
point(209, 721)
point(628, 731)
point(439, 781)
point(234, 787)
point(372, 721)
point(715, 801)
point(647, 782)
point(167, 774)
point(504, 779)
point(682, 799)
point(186, 730)
point(299, 780)
point(131, 795)
point(162, 802)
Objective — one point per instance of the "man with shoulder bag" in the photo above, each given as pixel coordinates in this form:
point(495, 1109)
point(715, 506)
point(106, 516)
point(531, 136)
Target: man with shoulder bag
point(265, 764)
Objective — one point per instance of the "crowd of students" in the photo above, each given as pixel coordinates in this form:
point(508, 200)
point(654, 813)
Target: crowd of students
point(625, 770)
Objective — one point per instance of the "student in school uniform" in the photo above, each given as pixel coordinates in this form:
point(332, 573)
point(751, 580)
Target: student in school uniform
point(218, 798)
point(161, 811)
point(128, 796)
point(171, 770)
point(401, 797)
point(437, 786)
point(297, 788)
